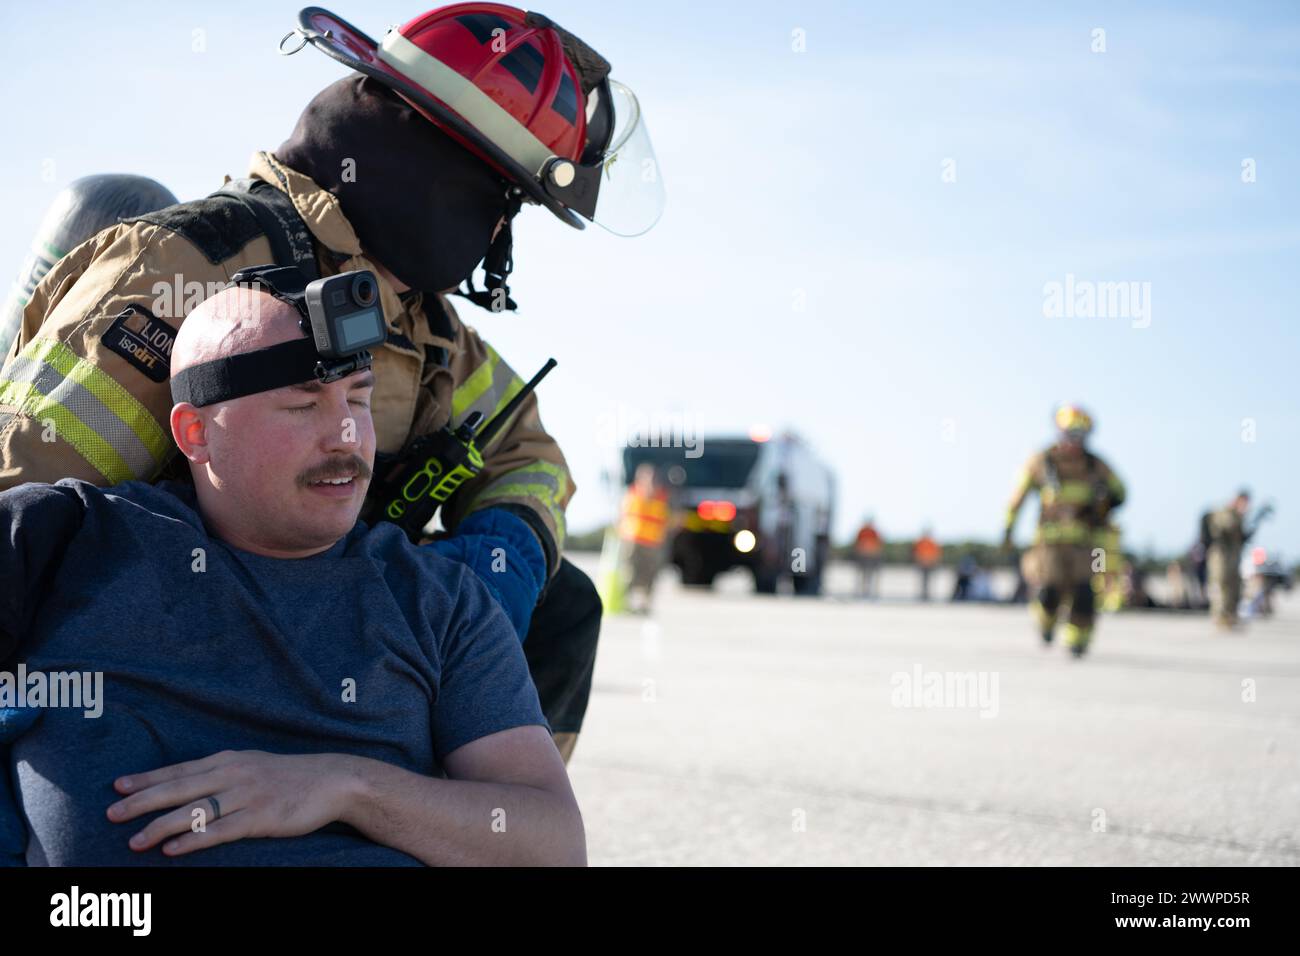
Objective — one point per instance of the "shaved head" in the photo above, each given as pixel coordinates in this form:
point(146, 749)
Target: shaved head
point(235, 320)
point(282, 473)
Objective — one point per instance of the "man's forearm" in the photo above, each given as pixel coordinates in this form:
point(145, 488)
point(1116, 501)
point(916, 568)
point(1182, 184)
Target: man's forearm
point(462, 822)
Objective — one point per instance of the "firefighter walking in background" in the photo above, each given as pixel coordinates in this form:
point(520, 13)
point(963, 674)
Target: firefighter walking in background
point(1077, 491)
point(643, 527)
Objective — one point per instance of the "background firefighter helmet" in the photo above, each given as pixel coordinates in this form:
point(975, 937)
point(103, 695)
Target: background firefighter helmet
point(523, 94)
point(1074, 421)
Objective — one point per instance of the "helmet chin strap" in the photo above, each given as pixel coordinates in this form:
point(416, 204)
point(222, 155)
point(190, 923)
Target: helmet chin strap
point(497, 265)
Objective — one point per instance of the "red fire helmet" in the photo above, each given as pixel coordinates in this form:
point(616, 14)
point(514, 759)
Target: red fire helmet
point(521, 93)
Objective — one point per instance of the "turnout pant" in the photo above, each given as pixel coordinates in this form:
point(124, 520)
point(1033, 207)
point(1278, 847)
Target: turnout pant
point(1062, 574)
point(1223, 568)
point(561, 651)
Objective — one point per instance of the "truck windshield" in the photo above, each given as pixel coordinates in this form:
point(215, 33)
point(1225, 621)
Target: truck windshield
point(723, 464)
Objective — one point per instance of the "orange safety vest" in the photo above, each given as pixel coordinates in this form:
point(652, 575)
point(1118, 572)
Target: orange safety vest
point(645, 518)
point(869, 542)
point(927, 552)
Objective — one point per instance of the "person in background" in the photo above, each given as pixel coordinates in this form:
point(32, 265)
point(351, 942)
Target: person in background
point(927, 554)
point(1227, 534)
point(1133, 588)
point(1077, 491)
point(867, 549)
point(967, 570)
point(643, 528)
point(1268, 576)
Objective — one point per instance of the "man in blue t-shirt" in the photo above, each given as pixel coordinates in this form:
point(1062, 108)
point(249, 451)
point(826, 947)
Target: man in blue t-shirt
point(281, 684)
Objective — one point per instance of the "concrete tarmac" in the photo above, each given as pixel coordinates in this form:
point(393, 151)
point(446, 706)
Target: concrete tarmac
point(733, 729)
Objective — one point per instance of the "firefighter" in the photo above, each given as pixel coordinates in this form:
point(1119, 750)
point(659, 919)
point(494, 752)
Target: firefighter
point(1077, 491)
point(380, 173)
point(643, 527)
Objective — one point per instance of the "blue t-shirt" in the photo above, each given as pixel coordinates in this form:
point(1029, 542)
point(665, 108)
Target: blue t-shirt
point(375, 647)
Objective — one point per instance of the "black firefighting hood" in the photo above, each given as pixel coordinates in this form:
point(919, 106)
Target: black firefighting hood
point(422, 205)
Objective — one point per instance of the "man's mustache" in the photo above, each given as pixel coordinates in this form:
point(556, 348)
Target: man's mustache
point(345, 466)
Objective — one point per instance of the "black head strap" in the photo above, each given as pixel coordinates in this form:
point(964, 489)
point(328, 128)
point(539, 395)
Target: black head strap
point(235, 376)
point(276, 366)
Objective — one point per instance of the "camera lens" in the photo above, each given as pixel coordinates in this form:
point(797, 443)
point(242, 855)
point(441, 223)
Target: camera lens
point(364, 290)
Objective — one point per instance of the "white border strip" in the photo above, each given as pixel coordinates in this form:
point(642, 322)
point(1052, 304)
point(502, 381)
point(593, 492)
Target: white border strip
point(482, 112)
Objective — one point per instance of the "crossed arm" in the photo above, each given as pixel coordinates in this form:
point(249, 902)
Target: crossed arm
point(507, 802)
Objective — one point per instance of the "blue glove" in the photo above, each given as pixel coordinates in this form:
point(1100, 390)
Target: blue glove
point(514, 574)
point(14, 721)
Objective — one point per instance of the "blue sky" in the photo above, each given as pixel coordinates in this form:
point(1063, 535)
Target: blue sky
point(814, 269)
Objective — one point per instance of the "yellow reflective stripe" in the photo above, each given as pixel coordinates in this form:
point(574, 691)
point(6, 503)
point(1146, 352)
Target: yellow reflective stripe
point(1063, 533)
point(1075, 492)
point(512, 388)
point(99, 453)
point(478, 382)
point(1108, 538)
point(536, 493)
point(487, 389)
point(1077, 636)
point(539, 481)
point(108, 390)
point(536, 473)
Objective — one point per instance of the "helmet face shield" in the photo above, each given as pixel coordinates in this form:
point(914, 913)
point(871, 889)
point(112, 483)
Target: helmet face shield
point(631, 197)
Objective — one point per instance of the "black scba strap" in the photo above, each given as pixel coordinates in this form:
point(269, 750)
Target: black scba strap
point(291, 241)
point(276, 366)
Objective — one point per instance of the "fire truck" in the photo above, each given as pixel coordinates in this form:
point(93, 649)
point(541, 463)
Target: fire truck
point(756, 502)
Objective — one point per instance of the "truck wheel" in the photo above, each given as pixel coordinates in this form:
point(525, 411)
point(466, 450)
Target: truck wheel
point(698, 578)
point(808, 585)
point(696, 573)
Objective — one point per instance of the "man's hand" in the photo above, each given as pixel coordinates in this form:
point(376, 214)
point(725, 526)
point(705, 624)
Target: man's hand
point(240, 794)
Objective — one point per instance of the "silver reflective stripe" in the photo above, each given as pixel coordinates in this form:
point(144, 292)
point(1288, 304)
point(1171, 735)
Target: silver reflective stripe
point(88, 409)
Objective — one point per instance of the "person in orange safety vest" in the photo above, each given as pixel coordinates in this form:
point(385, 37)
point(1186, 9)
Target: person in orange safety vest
point(868, 548)
point(643, 528)
point(926, 553)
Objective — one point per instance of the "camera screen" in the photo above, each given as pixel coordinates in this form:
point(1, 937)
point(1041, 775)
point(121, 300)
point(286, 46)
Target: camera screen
point(358, 327)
